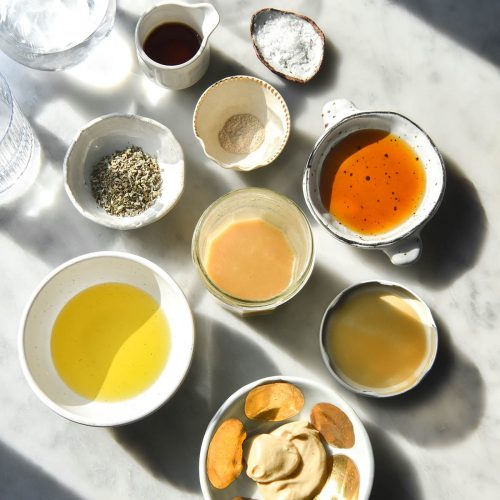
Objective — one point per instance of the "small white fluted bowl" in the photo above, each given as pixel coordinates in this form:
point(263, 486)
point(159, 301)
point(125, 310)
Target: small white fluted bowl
point(241, 95)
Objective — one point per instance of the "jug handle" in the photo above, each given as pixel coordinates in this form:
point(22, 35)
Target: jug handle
point(336, 110)
point(406, 251)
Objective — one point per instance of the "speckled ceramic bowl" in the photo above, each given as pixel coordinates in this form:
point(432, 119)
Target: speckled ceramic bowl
point(402, 244)
point(242, 95)
point(360, 453)
point(106, 135)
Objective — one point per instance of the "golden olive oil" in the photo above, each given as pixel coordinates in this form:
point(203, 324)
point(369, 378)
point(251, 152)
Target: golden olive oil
point(110, 342)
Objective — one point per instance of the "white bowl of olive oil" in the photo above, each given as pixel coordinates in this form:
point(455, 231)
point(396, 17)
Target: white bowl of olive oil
point(106, 339)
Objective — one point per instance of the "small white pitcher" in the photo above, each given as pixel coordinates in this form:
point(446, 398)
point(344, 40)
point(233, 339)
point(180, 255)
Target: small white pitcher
point(202, 17)
point(402, 244)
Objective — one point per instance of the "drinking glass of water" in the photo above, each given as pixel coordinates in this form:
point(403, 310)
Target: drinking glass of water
point(17, 141)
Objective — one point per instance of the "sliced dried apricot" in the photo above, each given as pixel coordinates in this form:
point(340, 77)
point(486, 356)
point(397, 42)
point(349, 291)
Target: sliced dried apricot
point(274, 402)
point(225, 453)
point(333, 424)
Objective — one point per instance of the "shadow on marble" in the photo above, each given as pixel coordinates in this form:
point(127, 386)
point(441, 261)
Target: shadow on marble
point(167, 106)
point(127, 21)
point(452, 240)
point(168, 442)
point(445, 408)
point(285, 174)
point(53, 148)
point(473, 24)
point(395, 477)
point(170, 238)
point(295, 325)
point(183, 101)
point(38, 219)
point(455, 236)
point(221, 66)
point(296, 94)
point(23, 480)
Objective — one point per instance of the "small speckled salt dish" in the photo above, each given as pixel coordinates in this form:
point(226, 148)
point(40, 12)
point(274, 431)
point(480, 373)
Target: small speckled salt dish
point(341, 118)
point(242, 95)
point(422, 311)
point(274, 208)
point(115, 132)
point(234, 407)
point(69, 279)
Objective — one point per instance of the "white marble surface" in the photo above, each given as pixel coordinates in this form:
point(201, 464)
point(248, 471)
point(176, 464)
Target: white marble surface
point(436, 62)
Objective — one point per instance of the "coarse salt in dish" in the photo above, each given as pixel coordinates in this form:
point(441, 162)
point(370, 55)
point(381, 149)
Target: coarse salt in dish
point(289, 44)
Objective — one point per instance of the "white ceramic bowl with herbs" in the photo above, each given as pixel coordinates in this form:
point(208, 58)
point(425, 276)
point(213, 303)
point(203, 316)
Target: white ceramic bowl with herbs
point(124, 171)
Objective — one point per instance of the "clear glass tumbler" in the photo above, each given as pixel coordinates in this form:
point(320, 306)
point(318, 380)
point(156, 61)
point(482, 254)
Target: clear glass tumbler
point(17, 141)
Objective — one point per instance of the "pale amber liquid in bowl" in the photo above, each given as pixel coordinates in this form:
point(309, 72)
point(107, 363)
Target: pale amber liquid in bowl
point(110, 342)
point(372, 181)
point(376, 339)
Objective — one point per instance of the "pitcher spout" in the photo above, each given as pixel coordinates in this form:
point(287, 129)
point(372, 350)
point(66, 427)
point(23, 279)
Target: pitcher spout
point(211, 18)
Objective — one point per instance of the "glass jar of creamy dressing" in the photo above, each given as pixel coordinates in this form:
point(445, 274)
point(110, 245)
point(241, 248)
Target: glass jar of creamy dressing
point(253, 249)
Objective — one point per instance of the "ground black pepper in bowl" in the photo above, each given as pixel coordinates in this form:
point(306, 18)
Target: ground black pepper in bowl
point(127, 182)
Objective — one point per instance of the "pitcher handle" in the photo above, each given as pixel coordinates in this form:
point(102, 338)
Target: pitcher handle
point(335, 111)
point(406, 251)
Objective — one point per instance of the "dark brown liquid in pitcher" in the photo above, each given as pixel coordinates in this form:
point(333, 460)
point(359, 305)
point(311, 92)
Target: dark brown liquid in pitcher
point(172, 44)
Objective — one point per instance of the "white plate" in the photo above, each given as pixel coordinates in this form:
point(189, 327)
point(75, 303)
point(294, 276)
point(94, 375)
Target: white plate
point(361, 453)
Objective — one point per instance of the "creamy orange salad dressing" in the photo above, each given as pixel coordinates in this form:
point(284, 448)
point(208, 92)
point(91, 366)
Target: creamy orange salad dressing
point(250, 259)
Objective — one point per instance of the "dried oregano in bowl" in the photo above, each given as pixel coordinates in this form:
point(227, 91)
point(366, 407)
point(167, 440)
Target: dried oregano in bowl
point(127, 182)
point(124, 171)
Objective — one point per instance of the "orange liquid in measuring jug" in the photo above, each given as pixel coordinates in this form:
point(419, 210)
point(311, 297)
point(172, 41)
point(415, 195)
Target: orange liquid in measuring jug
point(372, 181)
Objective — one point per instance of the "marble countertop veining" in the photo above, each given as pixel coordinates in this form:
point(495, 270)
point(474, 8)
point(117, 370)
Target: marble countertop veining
point(436, 62)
